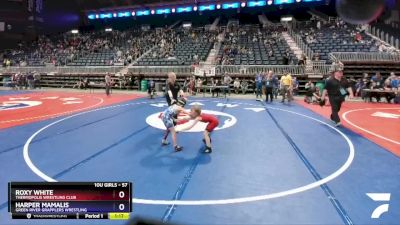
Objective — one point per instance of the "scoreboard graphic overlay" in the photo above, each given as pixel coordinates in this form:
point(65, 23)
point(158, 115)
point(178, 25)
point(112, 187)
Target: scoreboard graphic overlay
point(70, 200)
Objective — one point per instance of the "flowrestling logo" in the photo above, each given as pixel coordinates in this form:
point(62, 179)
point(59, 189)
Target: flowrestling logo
point(13, 105)
point(379, 197)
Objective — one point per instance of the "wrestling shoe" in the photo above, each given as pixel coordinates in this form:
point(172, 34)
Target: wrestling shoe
point(336, 124)
point(178, 148)
point(164, 142)
point(208, 150)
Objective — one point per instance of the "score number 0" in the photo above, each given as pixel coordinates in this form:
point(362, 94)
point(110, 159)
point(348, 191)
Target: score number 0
point(121, 206)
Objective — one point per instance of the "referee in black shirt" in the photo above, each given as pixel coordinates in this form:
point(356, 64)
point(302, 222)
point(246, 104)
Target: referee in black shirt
point(173, 90)
point(337, 87)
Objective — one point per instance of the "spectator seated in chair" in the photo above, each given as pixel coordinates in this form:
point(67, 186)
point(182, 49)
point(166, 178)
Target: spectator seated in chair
point(80, 84)
point(244, 86)
point(310, 89)
point(360, 85)
point(236, 85)
point(377, 96)
point(388, 87)
point(317, 96)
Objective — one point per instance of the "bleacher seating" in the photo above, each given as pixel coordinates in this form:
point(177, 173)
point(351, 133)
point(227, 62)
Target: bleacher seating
point(179, 47)
point(110, 48)
point(243, 45)
point(97, 48)
point(251, 45)
point(332, 38)
point(104, 58)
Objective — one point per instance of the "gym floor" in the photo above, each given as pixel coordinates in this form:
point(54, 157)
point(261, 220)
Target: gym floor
point(272, 163)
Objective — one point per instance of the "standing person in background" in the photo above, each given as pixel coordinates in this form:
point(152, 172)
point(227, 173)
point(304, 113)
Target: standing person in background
point(269, 87)
point(173, 90)
point(227, 82)
point(192, 83)
point(25, 80)
point(151, 86)
point(258, 83)
point(108, 83)
point(135, 81)
point(366, 84)
point(205, 80)
point(29, 78)
point(18, 81)
point(216, 89)
point(199, 85)
point(275, 82)
point(335, 88)
point(36, 77)
point(186, 85)
point(295, 86)
point(211, 84)
point(14, 83)
point(286, 87)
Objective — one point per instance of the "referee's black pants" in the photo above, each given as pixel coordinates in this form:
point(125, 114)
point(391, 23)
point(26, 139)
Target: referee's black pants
point(269, 93)
point(336, 104)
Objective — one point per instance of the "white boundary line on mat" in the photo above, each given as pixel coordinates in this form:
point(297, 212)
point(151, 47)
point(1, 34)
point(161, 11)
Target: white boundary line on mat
point(300, 189)
point(365, 130)
point(55, 114)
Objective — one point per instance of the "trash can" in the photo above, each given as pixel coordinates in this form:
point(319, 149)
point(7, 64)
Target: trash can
point(143, 85)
